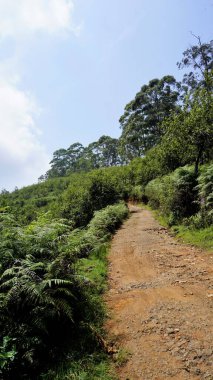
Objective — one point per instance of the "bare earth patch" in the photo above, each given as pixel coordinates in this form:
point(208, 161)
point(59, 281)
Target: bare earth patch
point(161, 301)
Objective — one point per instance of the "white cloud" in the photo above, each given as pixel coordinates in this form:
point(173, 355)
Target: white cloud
point(20, 17)
point(22, 156)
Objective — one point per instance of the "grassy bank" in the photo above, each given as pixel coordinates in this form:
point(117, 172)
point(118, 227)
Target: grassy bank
point(202, 238)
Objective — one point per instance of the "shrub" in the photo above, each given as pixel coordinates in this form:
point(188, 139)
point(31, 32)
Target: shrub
point(174, 194)
point(205, 191)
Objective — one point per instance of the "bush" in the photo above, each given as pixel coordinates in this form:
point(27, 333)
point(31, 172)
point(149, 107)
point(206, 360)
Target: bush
point(106, 221)
point(205, 191)
point(174, 194)
point(87, 195)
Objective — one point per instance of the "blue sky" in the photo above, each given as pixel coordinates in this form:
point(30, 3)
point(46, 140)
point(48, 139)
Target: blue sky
point(68, 67)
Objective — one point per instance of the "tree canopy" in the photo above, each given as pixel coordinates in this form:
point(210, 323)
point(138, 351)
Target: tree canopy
point(143, 116)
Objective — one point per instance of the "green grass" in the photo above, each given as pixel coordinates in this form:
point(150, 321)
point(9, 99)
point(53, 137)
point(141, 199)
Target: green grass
point(162, 219)
point(202, 238)
point(93, 367)
point(95, 267)
point(122, 357)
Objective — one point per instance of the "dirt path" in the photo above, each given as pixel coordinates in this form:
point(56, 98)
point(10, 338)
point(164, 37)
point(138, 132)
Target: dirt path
point(161, 302)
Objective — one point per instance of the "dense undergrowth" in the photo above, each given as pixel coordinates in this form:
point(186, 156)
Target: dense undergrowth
point(75, 197)
point(185, 202)
point(50, 294)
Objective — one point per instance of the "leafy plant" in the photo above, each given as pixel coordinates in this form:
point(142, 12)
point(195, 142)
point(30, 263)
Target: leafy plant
point(175, 194)
point(7, 352)
point(205, 190)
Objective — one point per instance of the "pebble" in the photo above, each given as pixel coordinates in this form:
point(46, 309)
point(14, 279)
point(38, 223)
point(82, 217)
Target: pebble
point(180, 343)
point(172, 331)
point(197, 371)
point(207, 376)
point(208, 352)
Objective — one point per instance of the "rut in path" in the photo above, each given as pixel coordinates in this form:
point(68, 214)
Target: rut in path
point(160, 300)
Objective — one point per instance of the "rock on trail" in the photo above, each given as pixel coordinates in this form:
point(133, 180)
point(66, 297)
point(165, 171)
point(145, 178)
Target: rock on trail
point(161, 303)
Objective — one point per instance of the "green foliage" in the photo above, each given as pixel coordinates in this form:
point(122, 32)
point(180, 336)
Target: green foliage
point(95, 267)
point(199, 58)
point(7, 353)
point(105, 151)
point(189, 134)
point(174, 194)
point(34, 306)
point(122, 357)
point(11, 246)
point(29, 202)
point(182, 197)
point(205, 190)
point(75, 197)
point(92, 367)
point(106, 221)
point(54, 234)
point(80, 202)
point(65, 160)
point(50, 291)
point(137, 194)
point(141, 121)
point(76, 158)
point(202, 237)
point(150, 166)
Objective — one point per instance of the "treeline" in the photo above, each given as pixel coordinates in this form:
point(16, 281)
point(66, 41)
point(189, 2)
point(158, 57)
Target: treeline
point(77, 158)
point(173, 118)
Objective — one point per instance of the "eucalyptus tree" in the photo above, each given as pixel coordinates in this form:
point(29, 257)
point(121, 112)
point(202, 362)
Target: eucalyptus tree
point(189, 134)
point(106, 151)
point(199, 59)
point(74, 153)
point(197, 126)
point(59, 164)
point(65, 161)
point(141, 121)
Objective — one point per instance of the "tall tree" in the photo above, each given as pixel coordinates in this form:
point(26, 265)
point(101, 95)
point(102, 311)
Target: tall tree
point(106, 149)
point(59, 164)
point(65, 161)
point(141, 121)
point(199, 58)
point(74, 153)
point(189, 134)
point(197, 126)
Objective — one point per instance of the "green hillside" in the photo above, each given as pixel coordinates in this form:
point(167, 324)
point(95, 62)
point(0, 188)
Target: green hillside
point(55, 234)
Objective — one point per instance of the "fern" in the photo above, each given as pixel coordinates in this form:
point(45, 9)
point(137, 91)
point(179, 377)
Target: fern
point(205, 189)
